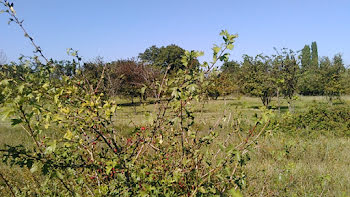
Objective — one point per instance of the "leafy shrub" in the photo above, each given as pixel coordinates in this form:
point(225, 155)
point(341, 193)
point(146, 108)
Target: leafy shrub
point(320, 118)
point(88, 155)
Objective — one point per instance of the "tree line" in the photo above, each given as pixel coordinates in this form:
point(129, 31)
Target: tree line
point(284, 74)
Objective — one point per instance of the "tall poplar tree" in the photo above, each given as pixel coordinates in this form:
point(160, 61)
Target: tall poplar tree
point(305, 57)
point(314, 55)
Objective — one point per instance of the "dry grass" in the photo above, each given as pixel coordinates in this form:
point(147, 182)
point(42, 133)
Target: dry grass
point(280, 165)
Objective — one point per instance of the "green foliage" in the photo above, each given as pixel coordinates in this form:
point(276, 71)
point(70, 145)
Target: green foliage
point(314, 55)
point(222, 84)
point(257, 78)
point(345, 78)
point(163, 57)
point(305, 58)
point(310, 83)
point(332, 73)
point(87, 155)
point(231, 67)
point(286, 73)
point(318, 119)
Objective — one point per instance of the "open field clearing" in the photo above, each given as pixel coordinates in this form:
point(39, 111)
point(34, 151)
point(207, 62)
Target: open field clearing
point(281, 163)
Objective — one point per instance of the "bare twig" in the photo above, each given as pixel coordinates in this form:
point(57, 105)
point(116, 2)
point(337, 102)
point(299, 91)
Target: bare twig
point(14, 18)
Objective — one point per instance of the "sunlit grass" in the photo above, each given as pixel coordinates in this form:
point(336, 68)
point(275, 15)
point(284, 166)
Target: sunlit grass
point(280, 165)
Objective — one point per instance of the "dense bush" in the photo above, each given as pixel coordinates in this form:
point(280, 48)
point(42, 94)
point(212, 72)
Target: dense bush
point(318, 118)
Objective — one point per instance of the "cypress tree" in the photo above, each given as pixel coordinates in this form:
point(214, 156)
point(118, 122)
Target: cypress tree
point(314, 55)
point(305, 57)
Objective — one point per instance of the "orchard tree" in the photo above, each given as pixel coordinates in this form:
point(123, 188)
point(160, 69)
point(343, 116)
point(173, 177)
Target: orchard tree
point(257, 78)
point(345, 81)
point(310, 83)
point(221, 84)
point(126, 78)
point(332, 73)
point(232, 67)
point(287, 75)
point(93, 73)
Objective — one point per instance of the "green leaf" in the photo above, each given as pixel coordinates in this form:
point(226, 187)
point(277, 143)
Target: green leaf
point(45, 86)
point(51, 148)
point(234, 193)
point(56, 98)
point(34, 168)
point(5, 82)
point(59, 175)
point(202, 190)
point(143, 90)
point(223, 33)
point(68, 135)
point(230, 46)
point(15, 121)
point(7, 112)
point(216, 49)
point(13, 10)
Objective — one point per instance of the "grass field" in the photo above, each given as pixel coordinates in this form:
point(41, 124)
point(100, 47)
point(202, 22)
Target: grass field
point(280, 164)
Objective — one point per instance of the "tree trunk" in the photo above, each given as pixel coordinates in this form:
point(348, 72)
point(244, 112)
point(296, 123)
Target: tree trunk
point(290, 106)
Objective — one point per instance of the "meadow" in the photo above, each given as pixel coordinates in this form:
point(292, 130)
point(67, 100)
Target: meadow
point(282, 163)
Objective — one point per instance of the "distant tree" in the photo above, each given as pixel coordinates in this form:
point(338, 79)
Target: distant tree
point(345, 78)
point(287, 75)
point(257, 78)
point(231, 67)
point(227, 82)
point(163, 57)
point(128, 78)
point(65, 68)
point(92, 73)
point(314, 55)
point(222, 84)
point(151, 55)
point(310, 82)
point(332, 73)
point(305, 57)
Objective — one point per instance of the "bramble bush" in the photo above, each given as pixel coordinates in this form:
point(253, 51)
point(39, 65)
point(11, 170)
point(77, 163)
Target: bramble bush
point(320, 118)
point(78, 149)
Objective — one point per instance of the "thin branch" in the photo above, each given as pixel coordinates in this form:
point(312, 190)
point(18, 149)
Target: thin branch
point(8, 184)
point(20, 23)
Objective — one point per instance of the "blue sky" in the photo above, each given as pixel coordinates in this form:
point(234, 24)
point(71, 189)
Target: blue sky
point(122, 29)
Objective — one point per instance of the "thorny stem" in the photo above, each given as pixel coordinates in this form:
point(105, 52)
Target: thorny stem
point(182, 130)
point(66, 186)
point(104, 139)
point(31, 132)
point(20, 24)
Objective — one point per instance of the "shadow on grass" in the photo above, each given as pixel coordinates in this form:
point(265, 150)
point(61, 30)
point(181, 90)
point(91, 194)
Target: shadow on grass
point(283, 108)
point(129, 104)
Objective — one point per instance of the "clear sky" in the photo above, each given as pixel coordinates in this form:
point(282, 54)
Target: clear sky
point(117, 29)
